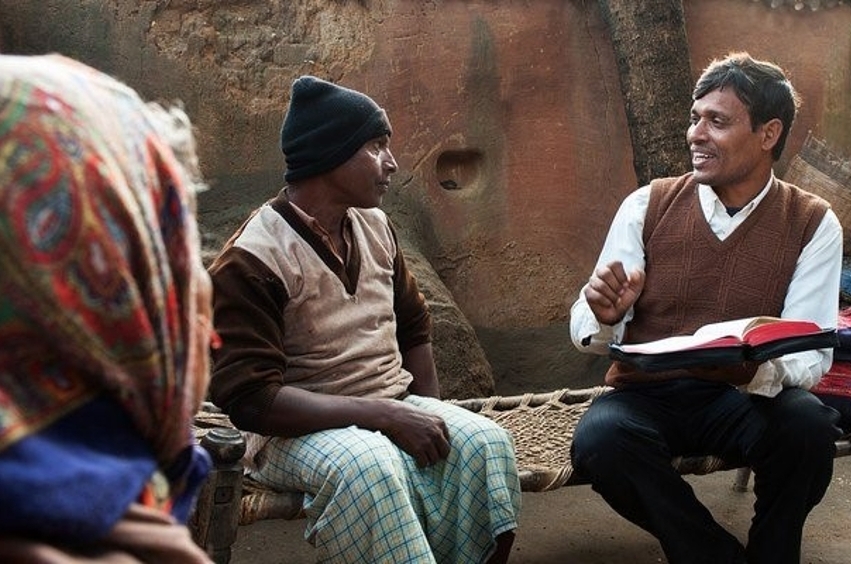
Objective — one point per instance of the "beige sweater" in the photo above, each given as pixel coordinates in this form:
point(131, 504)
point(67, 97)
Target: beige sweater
point(290, 314)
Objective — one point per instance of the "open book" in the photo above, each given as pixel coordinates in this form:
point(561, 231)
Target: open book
point(728, 342)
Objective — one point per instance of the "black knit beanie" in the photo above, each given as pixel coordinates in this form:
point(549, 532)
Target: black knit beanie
point(325, 125)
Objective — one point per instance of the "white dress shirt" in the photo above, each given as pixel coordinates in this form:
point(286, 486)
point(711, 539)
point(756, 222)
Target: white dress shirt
point(813, 292)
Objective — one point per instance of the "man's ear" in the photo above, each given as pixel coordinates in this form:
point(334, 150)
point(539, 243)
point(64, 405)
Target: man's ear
point(771, 131)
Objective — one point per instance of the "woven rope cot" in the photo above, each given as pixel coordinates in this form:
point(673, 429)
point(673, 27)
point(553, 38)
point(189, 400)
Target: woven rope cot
point(541, 424)
point(542, 427)
point(258, 502)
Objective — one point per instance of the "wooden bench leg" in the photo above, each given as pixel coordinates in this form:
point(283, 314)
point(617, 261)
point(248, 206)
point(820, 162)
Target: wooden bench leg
point(216, 517)
point(743, 476)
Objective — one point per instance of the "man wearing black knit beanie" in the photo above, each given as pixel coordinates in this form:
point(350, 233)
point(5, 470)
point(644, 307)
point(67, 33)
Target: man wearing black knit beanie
point(326, 125)
point(326, 358)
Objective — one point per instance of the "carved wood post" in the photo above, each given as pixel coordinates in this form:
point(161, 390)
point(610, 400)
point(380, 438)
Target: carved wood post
point(216, 517)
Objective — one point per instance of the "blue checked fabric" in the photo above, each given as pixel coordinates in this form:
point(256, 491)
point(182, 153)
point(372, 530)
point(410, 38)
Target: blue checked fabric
point(367, 501)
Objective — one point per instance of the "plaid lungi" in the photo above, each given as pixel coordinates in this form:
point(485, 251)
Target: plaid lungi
point(367, 501)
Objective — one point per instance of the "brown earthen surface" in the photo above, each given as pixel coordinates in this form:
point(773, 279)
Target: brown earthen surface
point(574, 526)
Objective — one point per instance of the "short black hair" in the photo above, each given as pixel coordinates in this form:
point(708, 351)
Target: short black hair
point(761, 86)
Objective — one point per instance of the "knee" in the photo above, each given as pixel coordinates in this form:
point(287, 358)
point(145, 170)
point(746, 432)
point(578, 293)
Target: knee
point(481, 439)
point(822, 421)
point(486, 447)
point(807, 423)
point(608, 440)
point(595, 438)
point(367, 463)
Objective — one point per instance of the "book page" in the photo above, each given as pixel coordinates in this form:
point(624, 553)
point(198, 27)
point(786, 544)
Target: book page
point(679, 343)
point(735, 332)
point(732, 328)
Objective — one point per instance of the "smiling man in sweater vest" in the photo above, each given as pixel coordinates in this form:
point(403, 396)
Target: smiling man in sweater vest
point(727, 240)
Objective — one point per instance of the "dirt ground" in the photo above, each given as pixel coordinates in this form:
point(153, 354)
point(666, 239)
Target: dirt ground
point(574, 526)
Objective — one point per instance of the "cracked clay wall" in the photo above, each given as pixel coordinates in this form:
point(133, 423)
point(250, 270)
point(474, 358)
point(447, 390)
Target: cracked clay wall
point(509, 125)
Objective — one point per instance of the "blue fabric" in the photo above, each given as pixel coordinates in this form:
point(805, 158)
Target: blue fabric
point(186, 477)
point(75, 478)
point(845, 279)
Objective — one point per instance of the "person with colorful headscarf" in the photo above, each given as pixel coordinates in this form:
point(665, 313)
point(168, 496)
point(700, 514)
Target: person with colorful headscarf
point(326, 359)
point(104, 319)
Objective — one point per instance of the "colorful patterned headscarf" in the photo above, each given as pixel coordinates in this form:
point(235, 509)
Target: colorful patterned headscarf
point(99, 256)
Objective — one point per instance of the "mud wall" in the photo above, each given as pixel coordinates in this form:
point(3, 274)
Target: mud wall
point(509, 125)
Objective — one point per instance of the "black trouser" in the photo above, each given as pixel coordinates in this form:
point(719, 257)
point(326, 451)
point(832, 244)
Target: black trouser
point(626, 440)
point(842, 404)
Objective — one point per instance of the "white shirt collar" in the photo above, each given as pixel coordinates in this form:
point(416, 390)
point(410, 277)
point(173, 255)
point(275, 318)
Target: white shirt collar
point(711, 203)
point(721, 223)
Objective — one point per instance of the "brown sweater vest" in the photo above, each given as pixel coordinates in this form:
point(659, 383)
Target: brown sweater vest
point(693, 278)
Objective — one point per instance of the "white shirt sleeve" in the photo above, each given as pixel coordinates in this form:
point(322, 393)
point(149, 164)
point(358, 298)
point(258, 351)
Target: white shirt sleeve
point(813, 294)
point(624, 243)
